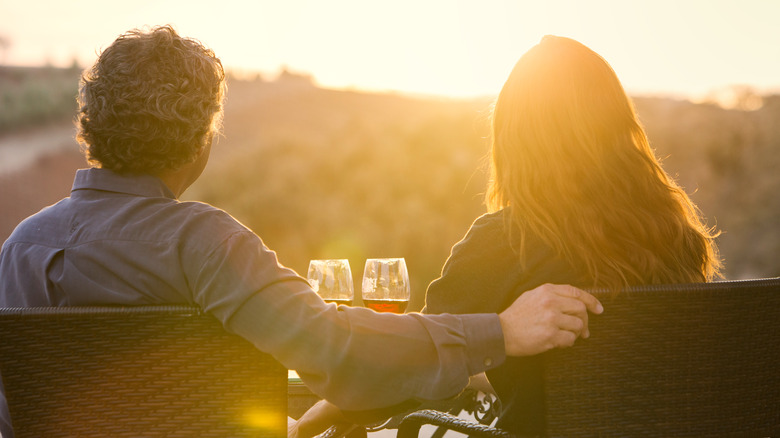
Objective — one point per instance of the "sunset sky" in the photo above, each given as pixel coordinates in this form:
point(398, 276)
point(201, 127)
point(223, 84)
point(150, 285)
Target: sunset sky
point(444, 47)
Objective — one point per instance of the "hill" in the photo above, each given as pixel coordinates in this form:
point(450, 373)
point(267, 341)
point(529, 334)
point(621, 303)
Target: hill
point(321, 173)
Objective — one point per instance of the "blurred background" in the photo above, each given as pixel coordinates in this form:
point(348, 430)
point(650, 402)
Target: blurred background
point(360, 129)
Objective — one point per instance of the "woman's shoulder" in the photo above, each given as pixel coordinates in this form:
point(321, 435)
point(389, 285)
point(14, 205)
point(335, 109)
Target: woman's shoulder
point(495, 218)
point(488, 226)
point(480, 269)
point(485, 240)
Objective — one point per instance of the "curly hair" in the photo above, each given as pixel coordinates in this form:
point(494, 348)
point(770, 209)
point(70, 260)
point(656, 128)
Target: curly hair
point(571, 159)
point(150, 103)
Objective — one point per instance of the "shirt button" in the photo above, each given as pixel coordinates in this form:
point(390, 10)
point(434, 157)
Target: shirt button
point(488, 362)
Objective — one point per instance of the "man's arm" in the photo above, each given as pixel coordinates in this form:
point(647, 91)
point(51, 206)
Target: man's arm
point(354, 357)
point(547, 317)
point(361, 360)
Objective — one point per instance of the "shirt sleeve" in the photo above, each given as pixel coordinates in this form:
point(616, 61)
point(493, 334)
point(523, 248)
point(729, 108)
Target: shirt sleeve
point(354, 357)
point(359, 359)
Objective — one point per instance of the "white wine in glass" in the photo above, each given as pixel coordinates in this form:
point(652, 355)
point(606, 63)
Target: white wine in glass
point(332, 280)
point(386, 285)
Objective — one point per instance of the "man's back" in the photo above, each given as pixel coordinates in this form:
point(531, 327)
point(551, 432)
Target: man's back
point(122, 240)
point(82, 244)
point(126, 240)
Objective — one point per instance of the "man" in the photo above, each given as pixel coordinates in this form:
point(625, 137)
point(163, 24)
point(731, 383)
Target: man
point(149, 109)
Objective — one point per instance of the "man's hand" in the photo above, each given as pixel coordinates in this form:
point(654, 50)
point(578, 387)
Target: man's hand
point(547, 317)
point(316, 420)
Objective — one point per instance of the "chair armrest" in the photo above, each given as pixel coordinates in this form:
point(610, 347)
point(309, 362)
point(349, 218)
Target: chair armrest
point(411, 424)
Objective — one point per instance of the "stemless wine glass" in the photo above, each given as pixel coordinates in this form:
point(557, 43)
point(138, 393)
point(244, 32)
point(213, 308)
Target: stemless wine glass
point(332, 280)
point(386, 285)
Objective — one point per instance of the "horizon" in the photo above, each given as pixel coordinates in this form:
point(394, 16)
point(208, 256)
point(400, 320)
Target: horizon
point(730, 97)
point(437, 48)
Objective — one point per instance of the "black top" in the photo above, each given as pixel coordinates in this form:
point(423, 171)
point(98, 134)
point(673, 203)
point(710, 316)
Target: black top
point(484, 274)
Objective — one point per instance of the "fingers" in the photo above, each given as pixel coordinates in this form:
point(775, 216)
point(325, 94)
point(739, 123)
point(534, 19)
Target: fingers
point(546, 317)
point(591, 302)
point(563, 339)
point(575, 302)
point(573, 324)
point(576, 312)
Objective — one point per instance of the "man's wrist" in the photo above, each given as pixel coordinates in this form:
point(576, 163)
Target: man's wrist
point(485, 341)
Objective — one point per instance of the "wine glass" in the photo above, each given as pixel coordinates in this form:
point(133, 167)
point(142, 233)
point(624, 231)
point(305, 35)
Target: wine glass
point(332, 280)
point(386, 285)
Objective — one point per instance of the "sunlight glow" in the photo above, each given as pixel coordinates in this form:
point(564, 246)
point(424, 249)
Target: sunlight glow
point(443, 47)
point(264, 420)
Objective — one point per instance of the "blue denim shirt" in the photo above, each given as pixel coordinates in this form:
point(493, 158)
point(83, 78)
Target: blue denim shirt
point(127, 240)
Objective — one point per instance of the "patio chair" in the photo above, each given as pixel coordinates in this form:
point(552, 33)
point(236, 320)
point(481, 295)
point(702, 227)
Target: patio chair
point(149, 371)
point(690, 360)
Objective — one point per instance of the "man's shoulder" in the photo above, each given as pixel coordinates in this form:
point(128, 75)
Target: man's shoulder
point(44, 219)
point(201, 216)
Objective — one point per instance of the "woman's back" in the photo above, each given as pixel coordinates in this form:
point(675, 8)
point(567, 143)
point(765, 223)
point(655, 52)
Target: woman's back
point(483, 274)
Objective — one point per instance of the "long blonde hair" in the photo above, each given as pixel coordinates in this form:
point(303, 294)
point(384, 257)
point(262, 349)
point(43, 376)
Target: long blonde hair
point(571, 160)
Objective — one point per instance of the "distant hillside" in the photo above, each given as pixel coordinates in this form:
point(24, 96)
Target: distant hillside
point(727, 160)
point(34, 96)
point(334, 174)
point(323, 173)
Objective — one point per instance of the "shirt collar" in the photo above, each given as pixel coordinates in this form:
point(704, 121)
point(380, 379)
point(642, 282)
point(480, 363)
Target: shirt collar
point(109, 181)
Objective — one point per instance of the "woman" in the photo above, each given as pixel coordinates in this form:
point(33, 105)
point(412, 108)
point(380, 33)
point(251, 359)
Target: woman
point(576, 196)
